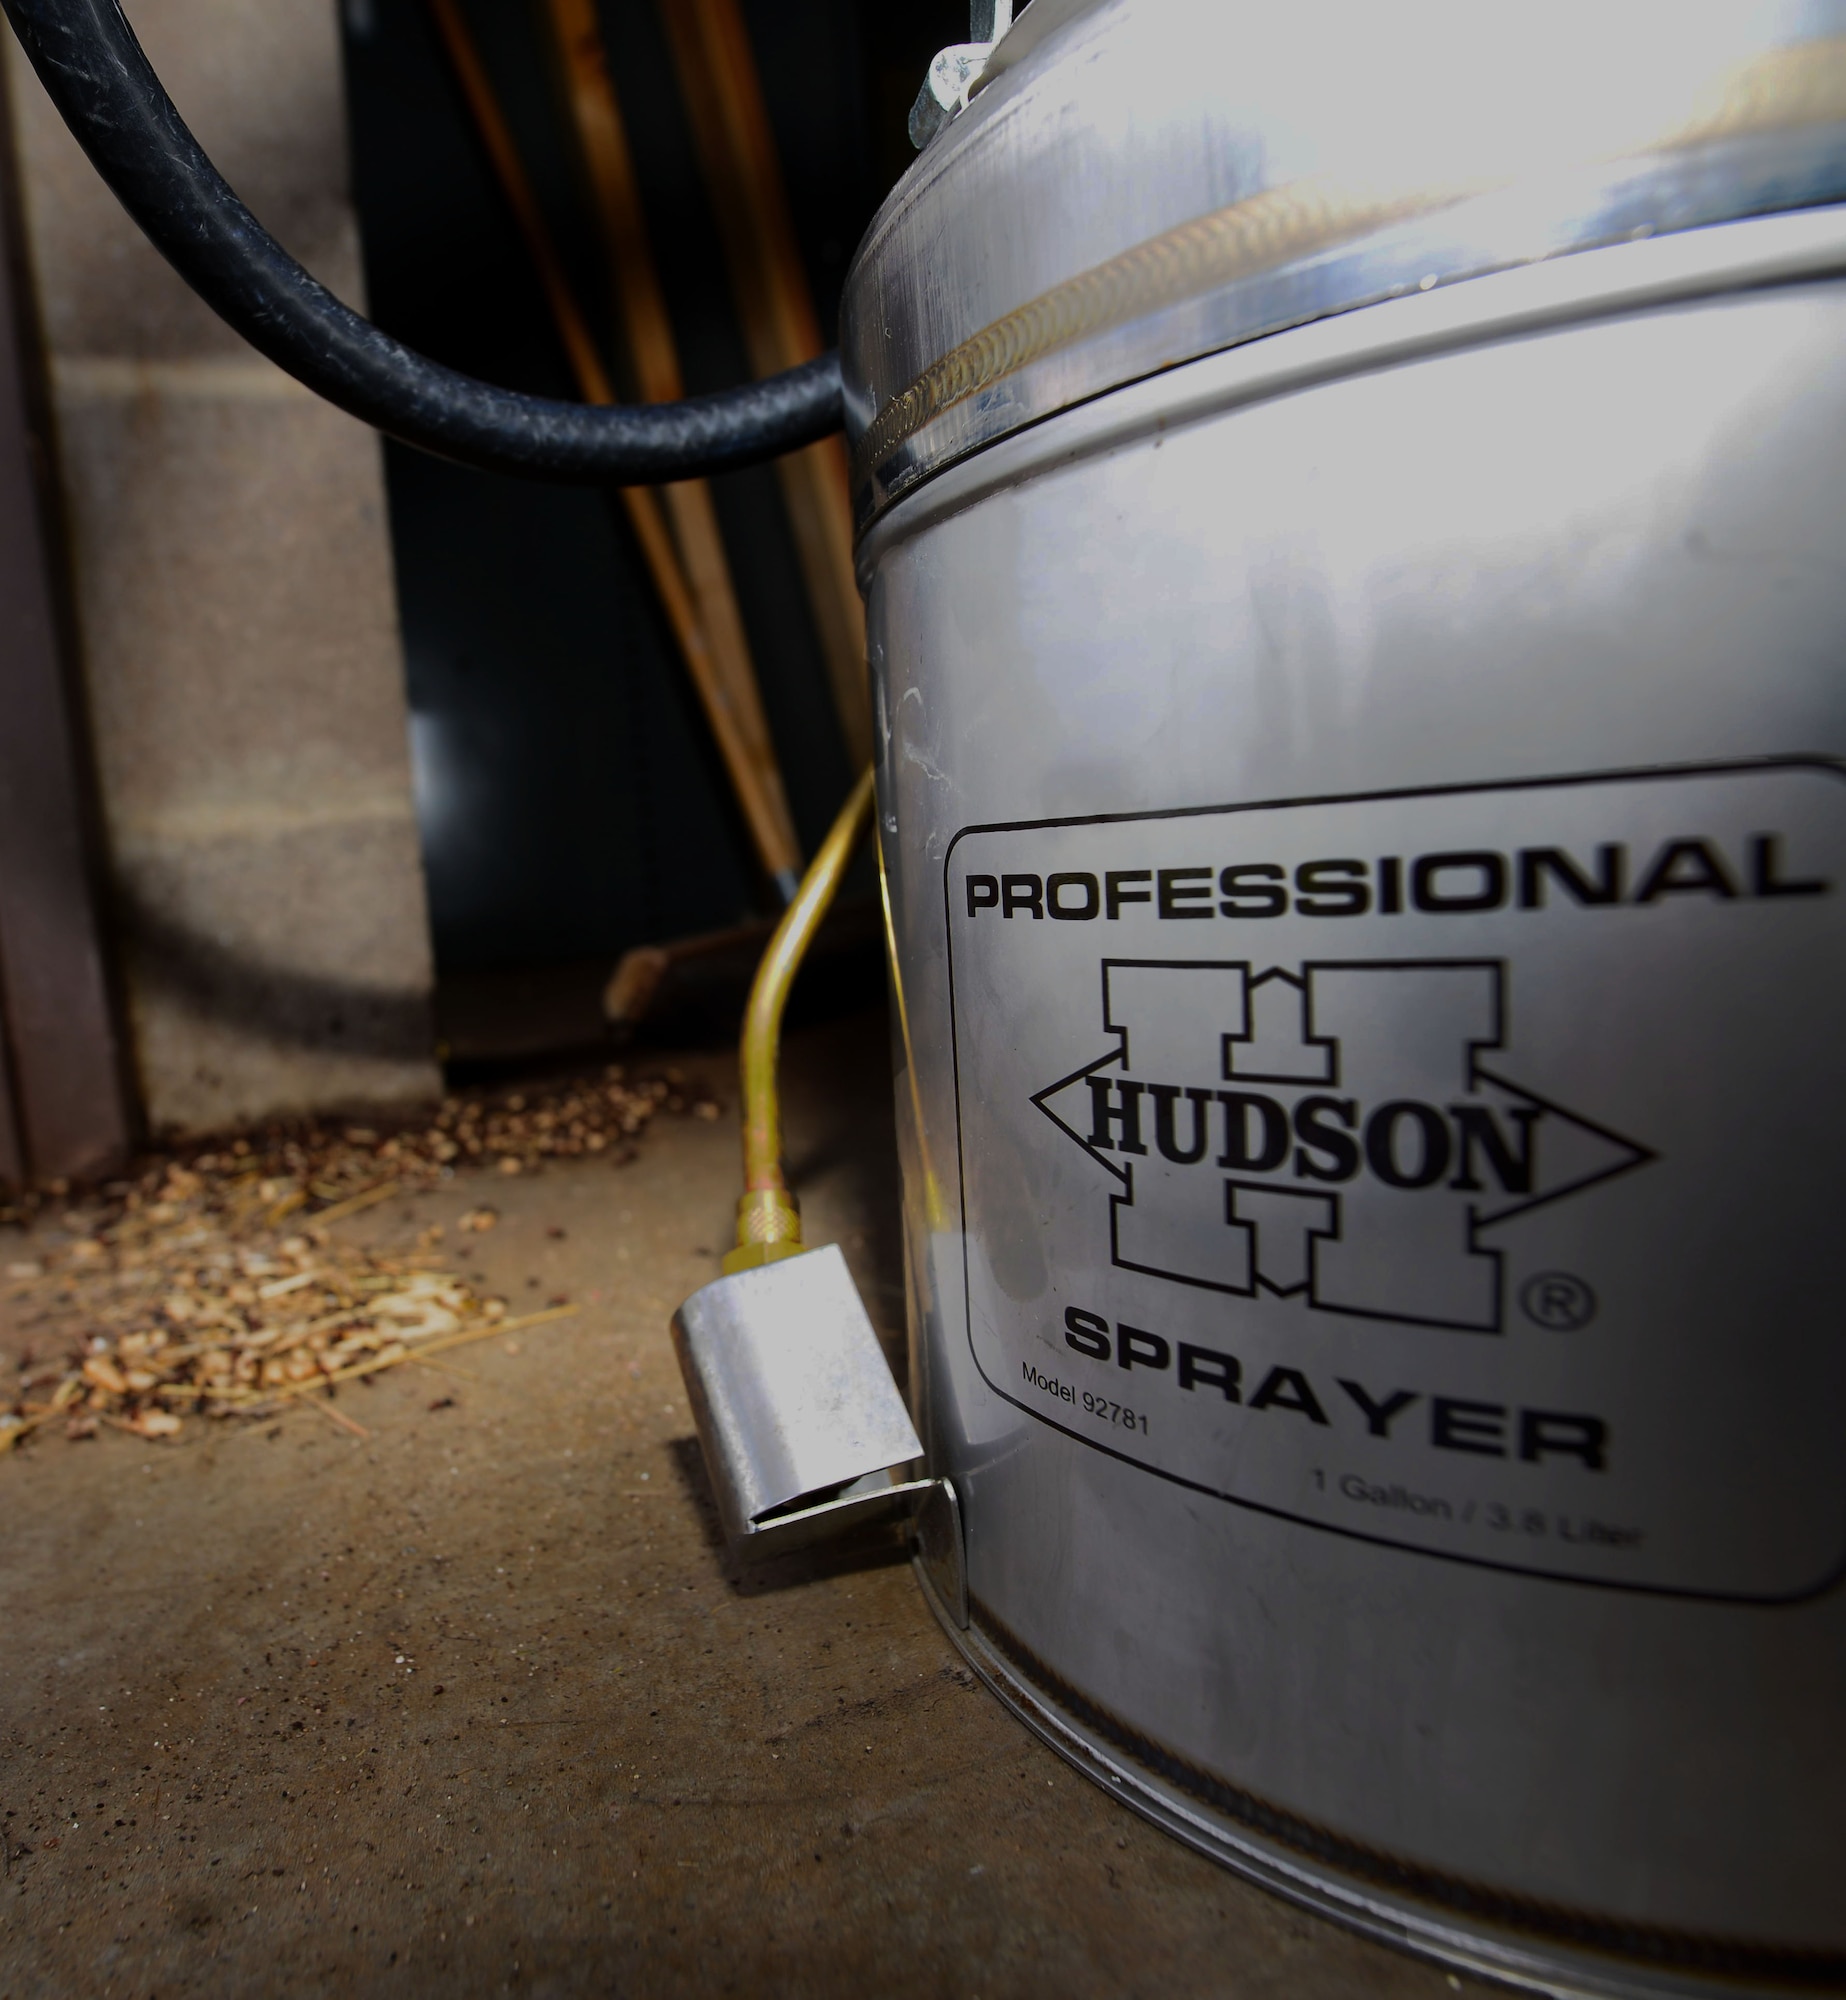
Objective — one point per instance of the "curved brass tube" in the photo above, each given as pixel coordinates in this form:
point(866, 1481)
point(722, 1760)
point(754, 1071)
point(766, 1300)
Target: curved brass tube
point(768, 1222)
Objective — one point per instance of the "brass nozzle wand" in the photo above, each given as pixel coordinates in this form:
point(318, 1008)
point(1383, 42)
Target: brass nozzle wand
point(768, 1222)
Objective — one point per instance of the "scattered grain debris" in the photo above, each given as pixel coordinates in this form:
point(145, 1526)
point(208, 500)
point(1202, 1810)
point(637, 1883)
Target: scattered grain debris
point(216, 1284)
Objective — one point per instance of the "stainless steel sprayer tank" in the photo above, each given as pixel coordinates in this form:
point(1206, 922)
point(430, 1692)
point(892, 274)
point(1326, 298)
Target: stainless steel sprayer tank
point(1351, 503)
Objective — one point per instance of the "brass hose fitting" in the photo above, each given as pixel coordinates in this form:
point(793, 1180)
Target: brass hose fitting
point(768, 1221)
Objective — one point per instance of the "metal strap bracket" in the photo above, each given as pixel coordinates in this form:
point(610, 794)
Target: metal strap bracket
point(801, 1424)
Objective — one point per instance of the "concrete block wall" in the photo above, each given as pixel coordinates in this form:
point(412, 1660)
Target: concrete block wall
point(234, 595)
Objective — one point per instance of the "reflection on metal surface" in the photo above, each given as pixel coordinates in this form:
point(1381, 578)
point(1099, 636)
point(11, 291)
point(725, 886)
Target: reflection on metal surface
point(1609, 542)
point(932, 1187)
point(801, 1424)
point(1766, 133)
point(1656, 272)
point(1271, 1844)
point(941, 1554)
point(1365, 629)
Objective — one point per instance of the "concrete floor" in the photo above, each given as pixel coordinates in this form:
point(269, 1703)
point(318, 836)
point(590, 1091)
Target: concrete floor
point(480, 1705)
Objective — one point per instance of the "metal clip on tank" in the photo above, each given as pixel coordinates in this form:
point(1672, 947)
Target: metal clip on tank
point(804, 1432)
point(956, 71)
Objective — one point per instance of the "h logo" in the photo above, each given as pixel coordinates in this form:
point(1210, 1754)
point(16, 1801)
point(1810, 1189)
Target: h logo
point(1330, 1132)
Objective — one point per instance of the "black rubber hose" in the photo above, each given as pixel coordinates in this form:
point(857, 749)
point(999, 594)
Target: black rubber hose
point(88, 59)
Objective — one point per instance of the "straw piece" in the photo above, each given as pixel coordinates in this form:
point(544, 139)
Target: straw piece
point(326, 1409)
point(354, 1203)
point(167, 1295)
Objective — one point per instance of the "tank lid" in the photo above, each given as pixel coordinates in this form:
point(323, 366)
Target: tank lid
point(1137, 183)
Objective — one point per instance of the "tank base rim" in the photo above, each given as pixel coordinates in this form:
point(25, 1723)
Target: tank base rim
point(1552, 1968)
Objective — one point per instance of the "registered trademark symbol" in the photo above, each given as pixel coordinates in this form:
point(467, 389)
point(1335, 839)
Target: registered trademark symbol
point(1557, 1300)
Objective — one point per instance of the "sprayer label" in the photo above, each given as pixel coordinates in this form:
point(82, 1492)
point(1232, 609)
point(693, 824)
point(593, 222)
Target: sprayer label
point(1466, 1185)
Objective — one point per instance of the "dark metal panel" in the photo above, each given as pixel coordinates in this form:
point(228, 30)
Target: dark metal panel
point(69, 1111)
